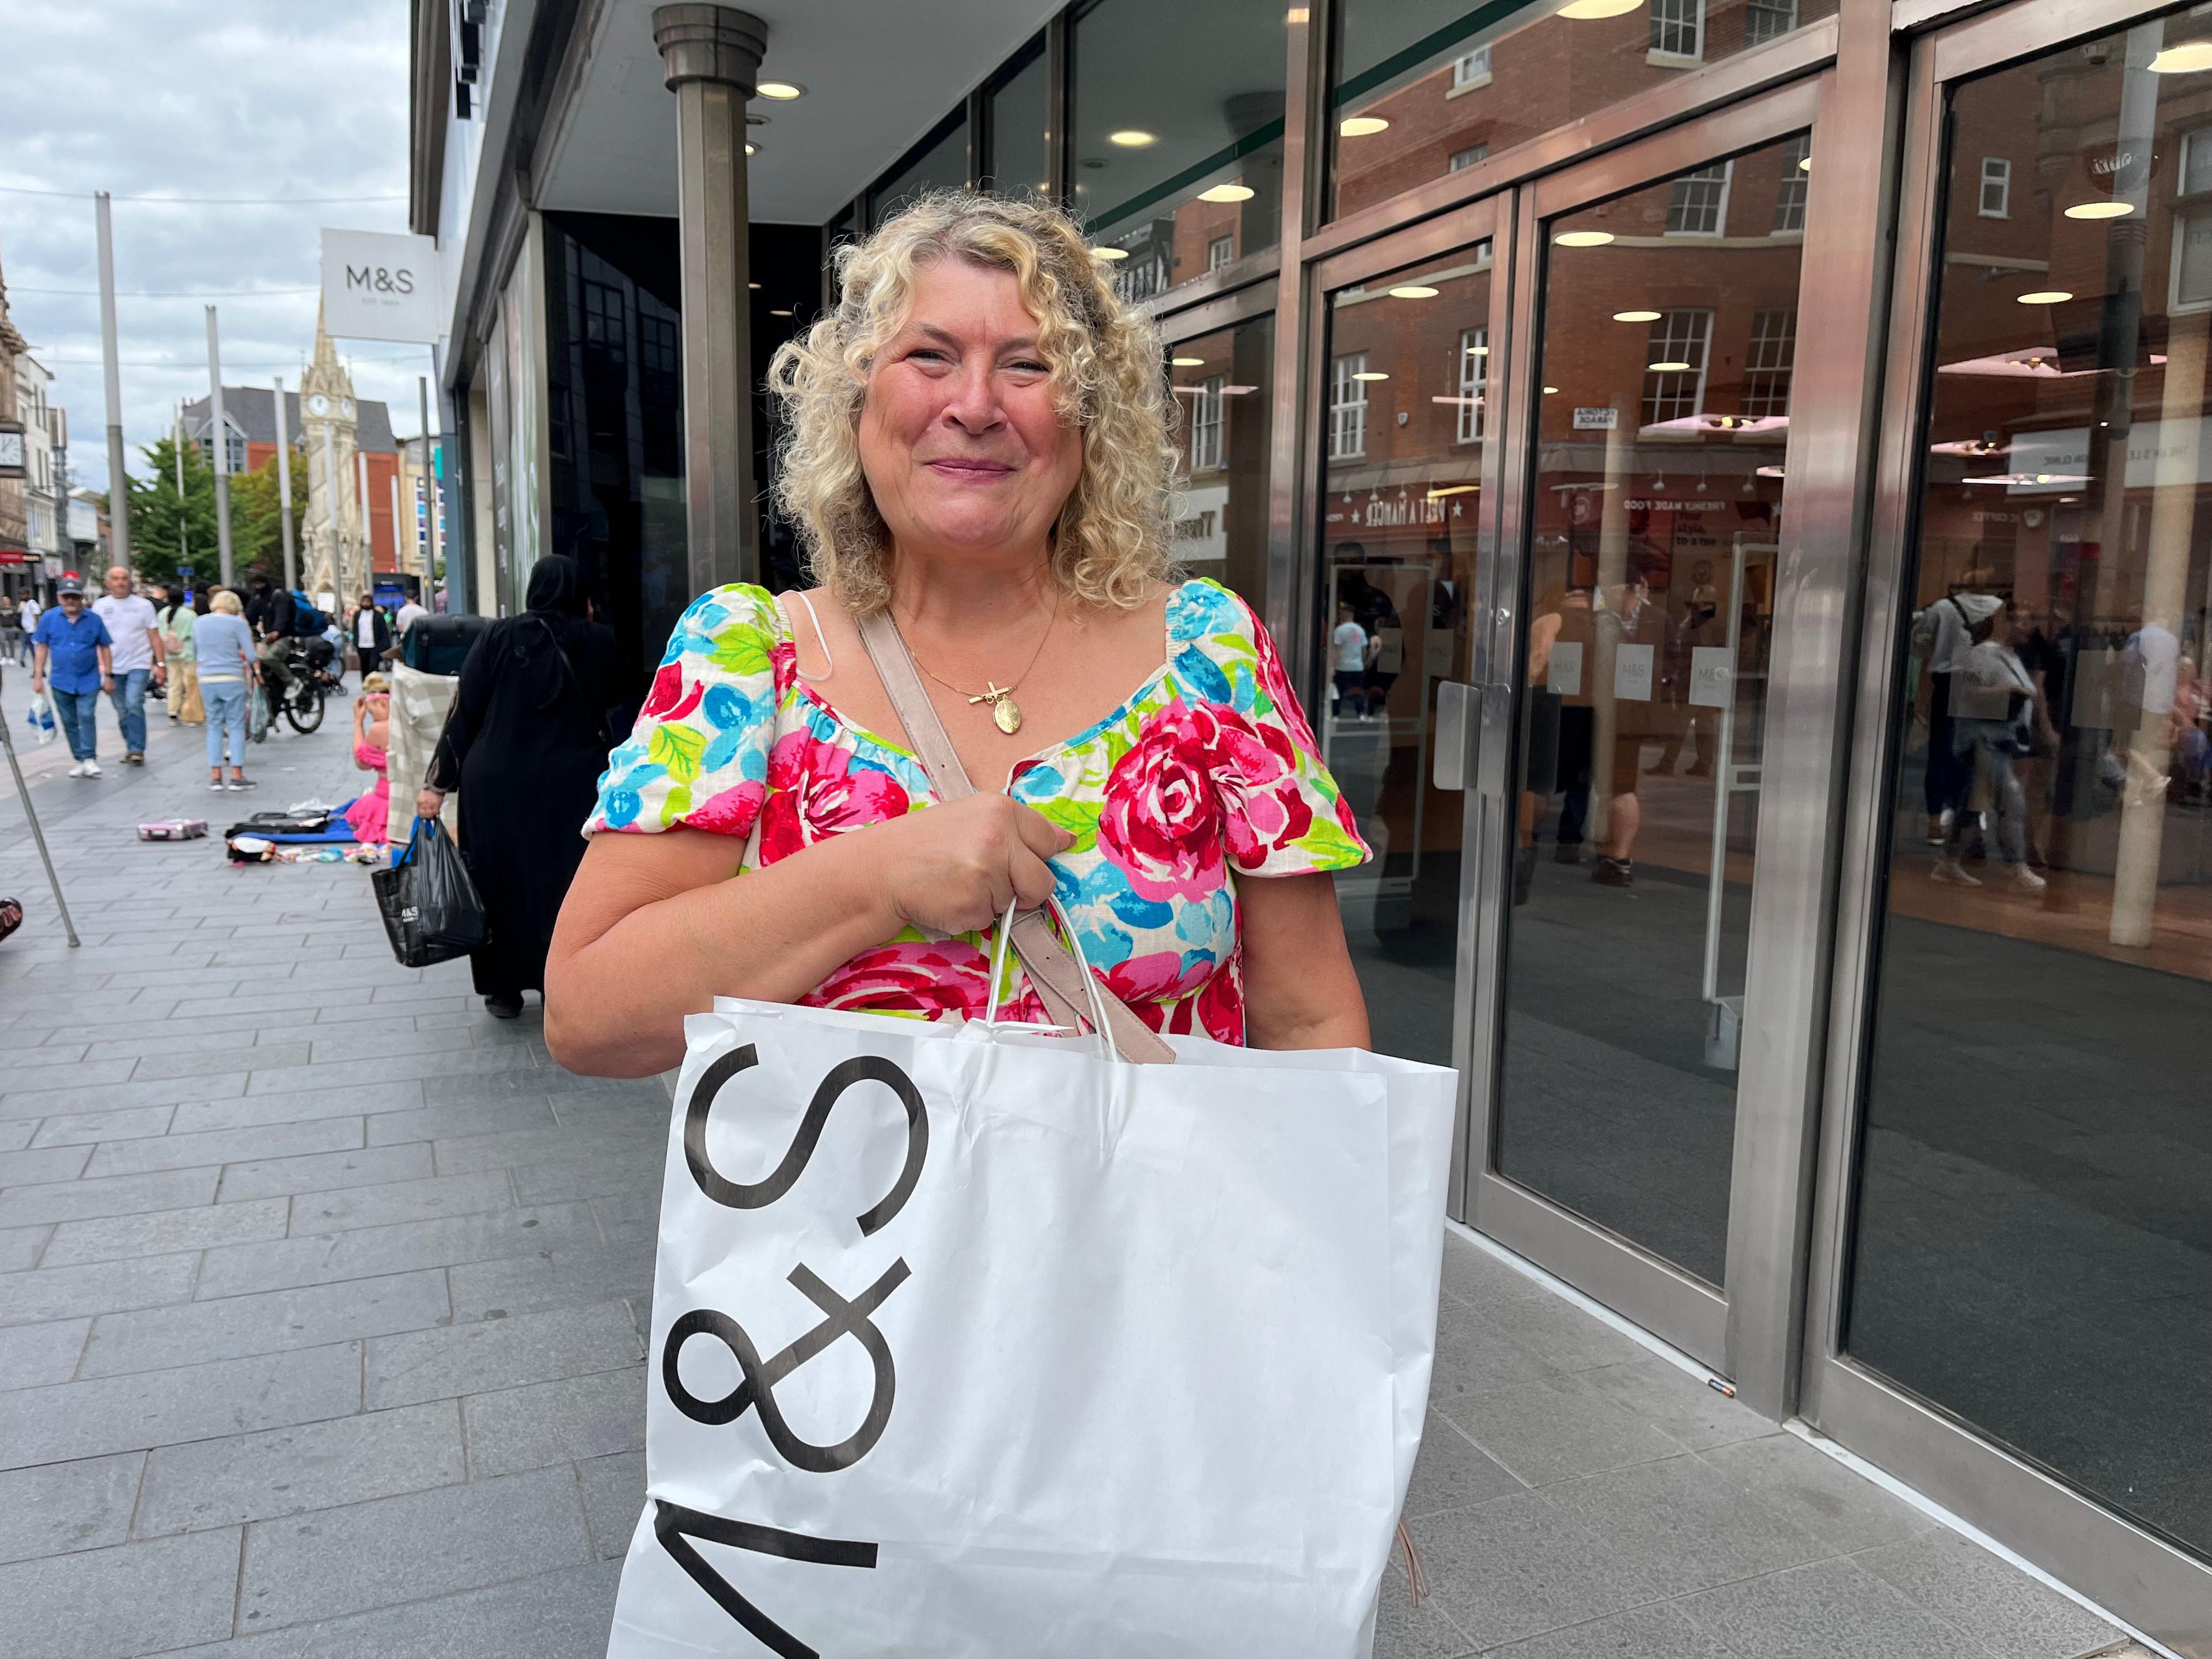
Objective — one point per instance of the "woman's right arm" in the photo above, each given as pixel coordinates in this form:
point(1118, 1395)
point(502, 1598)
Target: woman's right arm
point(656, 927)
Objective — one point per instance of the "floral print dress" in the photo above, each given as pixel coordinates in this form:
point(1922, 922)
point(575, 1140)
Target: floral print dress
point(1207, 772)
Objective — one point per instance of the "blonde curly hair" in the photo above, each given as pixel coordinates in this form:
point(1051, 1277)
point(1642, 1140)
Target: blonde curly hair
point(1112, 537)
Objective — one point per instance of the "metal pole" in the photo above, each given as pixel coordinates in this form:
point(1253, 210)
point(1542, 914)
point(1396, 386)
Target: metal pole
point(222, 447)
point(177, 454)
point(31, 817)
point(429, 543)
point(398, 558)
point(284, 486)
point(368, 527)
point(119, 491)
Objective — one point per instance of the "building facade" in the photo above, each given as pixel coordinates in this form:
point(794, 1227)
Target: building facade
point(1763, 442)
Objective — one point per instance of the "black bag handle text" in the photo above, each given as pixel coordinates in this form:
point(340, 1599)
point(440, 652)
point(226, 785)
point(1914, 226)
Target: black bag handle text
point(675, 1527)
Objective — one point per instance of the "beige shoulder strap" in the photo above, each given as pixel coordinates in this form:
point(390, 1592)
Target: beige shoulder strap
point(1052, 968)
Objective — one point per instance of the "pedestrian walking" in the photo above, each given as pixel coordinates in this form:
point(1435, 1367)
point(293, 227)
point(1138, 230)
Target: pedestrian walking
point(227, 672)
point(410, 612)
point(76, 661)
point(8, 628)
point(27, 619)
point(176, 620)
point(525, 745)
point(134, 629)
point(371, 635)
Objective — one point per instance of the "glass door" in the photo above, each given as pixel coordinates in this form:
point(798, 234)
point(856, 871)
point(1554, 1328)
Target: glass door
point(1660, 333)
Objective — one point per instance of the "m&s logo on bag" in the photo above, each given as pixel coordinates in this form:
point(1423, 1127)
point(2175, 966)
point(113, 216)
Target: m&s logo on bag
point(842, 1317)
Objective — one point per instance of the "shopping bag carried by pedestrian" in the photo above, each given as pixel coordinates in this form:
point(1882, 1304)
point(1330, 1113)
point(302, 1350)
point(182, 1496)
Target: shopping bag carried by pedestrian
point(40, 718)
point(976, 1340)
point(429, 905)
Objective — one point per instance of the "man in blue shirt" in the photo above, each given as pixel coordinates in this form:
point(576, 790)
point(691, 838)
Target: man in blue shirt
point(74, 647)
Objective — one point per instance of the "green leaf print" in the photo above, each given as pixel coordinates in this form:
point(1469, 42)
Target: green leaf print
point(678, 803)
point(1078, 818)
point(1328, 847)
point(679, 748)
point(741, 648)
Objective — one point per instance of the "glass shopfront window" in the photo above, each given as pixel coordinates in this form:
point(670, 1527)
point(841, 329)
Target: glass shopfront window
point(1402, 496)
point(1176, 128)
point(940, 164)
point(1668, 327)
point(2031, 1239)
point(1220, 382)
point(1019, 122)
point(1424, 87)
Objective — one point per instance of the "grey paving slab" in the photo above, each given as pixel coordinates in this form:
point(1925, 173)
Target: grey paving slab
point(42, 1164)
point(31, 1355)
point(1406, 1630)
point(1684, 1524)
point(312, 1466)
point(1657, 1631)
point(557, 1145)
point(19, 1247)
point(58, 1507)
point(614, 1498)
point(70, 1200)
point(15, 1136)
point(192, 1151)
point(362, 1252)
point(500, 1353)
point(96, 1287)
point(321, 1172)
point(1561, 1334)
point(375, 1040)
point(44, 1102)
point(1833, 1609)
point(268, 1322)
point(1554, 1427)
point(85, 1128)
point(1516, 1567)
point(553, 1615)
point(112, 1603)
point(347, 1560)
point(75, 1074)
point(188, 1402)
point(1679, 1405)
point(438, 1069)
point(445, 1119)
point(1451, 1471)
point(200, 1065)
point(1846, 1511)
point(392, 1202)
point(562, 1421)
point(1972, 1590)
point(560, 1278)
point(245, 1111)
point(597, 1177)
point(160, 1231)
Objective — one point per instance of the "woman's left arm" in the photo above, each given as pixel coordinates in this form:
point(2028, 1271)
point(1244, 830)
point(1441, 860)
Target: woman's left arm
point(1300, 990)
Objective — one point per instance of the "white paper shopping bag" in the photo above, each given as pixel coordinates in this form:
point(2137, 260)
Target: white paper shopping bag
point(967, 1340)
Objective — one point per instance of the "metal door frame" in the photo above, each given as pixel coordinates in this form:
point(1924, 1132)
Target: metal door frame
point(2162, 1591)
point(1635, 1282)
point(1415, 244)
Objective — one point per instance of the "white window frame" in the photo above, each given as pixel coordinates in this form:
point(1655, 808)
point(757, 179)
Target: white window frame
point(1209, 406)
point(1220, 251)
point(1473, 381)
point(1698, 176)
point(1467, 157)
point(1789, 195)
point(1996, 170)
point(1470, 70)
point(2192, 207)
point(1784, 12)
point(1684, 23)
point(1671, 335)
point(1772, 355)
point(1347, 407)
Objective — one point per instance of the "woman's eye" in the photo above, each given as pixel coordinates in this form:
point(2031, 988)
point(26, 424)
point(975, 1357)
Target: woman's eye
point(1031, 366)
point(929, 353)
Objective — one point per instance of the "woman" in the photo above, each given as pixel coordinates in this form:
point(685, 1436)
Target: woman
point(977, 444)
point(524, 745)
point(177, 621)
point(372, 743)
point(223, 647)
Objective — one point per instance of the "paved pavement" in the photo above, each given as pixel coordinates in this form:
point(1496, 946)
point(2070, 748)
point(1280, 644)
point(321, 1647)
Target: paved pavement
point(321, 1293)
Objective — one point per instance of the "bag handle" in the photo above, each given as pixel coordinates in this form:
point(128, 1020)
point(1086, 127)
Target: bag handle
point(1063, 985)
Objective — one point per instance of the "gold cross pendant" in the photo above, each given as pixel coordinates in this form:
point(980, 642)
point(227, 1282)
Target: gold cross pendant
point(1005, 711)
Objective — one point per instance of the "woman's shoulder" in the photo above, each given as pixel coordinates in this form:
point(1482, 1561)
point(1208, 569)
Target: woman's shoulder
point(1201, 612)
point(731, 624)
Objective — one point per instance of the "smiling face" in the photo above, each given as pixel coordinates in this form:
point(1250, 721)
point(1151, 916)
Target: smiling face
point(964, 451)
point(119, 582)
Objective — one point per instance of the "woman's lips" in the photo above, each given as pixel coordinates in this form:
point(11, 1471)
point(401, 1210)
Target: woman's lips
point(967, 470)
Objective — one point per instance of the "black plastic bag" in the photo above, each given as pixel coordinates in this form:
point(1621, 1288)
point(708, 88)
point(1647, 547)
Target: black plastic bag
point(431, 909)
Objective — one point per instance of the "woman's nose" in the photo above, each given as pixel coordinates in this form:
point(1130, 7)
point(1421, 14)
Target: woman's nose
point(974, 399)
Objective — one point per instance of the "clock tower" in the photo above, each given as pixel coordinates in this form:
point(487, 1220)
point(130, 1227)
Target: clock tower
point(337, 556)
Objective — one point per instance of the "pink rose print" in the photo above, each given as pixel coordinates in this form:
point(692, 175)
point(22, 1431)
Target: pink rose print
point(1198, 778)
point(1149, 984)
point(814, 790)
point(1221, 1002)
point(731, 812)
point(783, 663)
point(937, 979)
point(1277, 685)
point(667, 700)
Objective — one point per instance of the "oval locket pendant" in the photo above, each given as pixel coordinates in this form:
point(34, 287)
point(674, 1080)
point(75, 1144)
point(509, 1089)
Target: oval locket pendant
point(1007, 714)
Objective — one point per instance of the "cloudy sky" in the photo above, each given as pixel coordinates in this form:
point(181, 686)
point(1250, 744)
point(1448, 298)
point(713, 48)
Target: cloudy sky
point(285, 103)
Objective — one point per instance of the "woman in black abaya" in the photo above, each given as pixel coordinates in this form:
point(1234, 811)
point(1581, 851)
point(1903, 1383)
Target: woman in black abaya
point(525, 745)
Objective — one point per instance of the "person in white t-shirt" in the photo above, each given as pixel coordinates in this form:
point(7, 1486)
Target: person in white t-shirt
point(27, 623)
point(1348, 646)
point(410, 612)
point(139, 658)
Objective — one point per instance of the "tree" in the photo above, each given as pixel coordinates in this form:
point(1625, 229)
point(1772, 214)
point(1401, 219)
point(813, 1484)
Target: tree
point(257, 531)
point(158, 513)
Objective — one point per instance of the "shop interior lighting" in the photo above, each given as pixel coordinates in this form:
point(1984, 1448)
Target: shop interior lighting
point(782, 91)
point(1550, 390)
point(1442, 490)
point(1670, 367)
point(1583, 238)
point(2101, 210)
point(1582, 10)
point(1228, 193)
point(1635, 316)
point(1366, 126)
point(1370, 374)
point(2186, 59)
point(1769, 472)
point(1109, 254)
point(779, 313)
point(752, 284)
point(1804, 164)
point(2044, 296)
point(1413, 291)
point(1187, 362)
point(1477, 351)
point(751, 149)
point(1133, 138)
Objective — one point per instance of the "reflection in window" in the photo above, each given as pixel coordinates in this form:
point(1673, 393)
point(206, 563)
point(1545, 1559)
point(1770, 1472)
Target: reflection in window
point(1219, 251)
point(1789, 195)
point(2192, 225)
point(1697, 206)
point(1469, 156)
point(1678, 28)
point(941, 164)
point(1997, 188)
point(1221, 525)
point(1674, 380)
point(1347, 407)
point(1471, 68)
point(1767, 363)
point(1766, 19)
point(1473, 381)
point(1206, 423)
point(1020, 162)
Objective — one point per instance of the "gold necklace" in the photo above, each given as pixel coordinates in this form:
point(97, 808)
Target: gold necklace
point(1006, 713)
